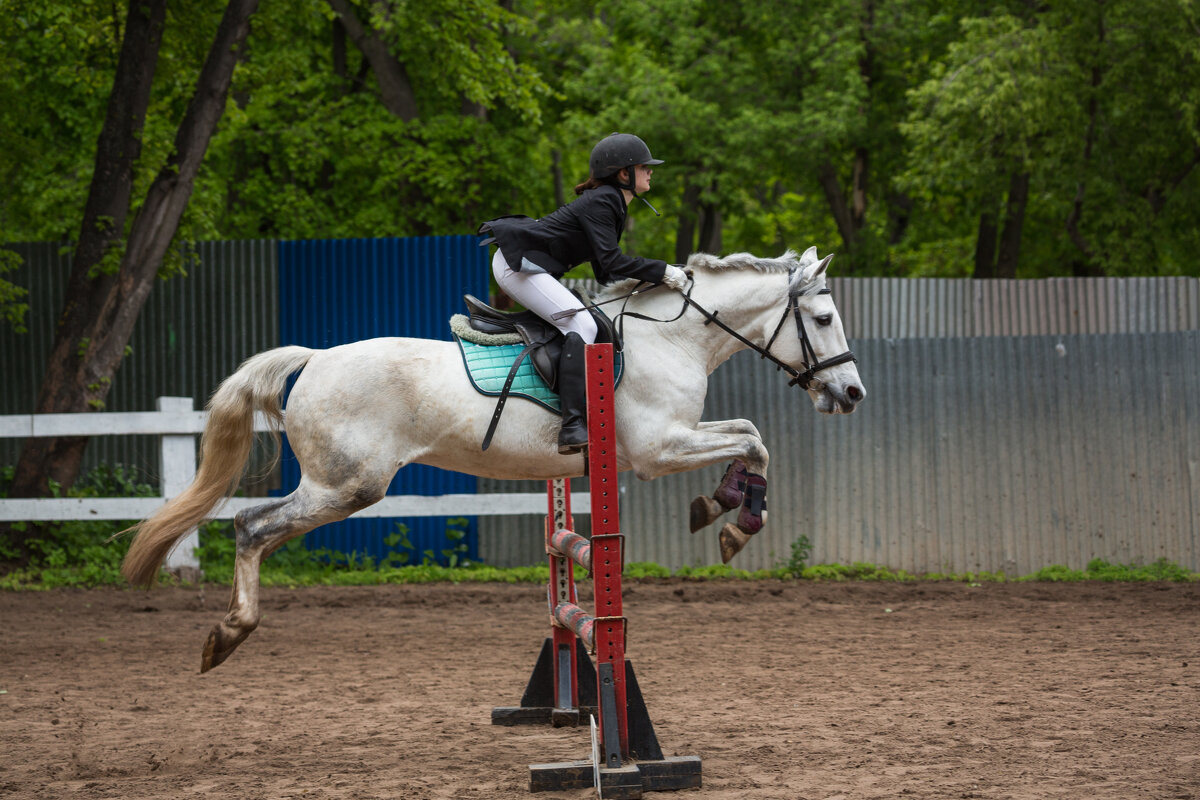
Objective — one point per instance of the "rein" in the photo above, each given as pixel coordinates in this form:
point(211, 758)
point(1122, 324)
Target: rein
point(812, 364)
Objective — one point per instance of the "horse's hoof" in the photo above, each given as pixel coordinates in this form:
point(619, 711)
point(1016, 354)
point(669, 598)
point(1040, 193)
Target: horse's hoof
point(222, 641)
point(732, 539)
point(705, 511)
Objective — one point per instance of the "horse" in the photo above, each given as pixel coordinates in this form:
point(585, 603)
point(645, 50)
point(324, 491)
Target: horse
point(359, 412)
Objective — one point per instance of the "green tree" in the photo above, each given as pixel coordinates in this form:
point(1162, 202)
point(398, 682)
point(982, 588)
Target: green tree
point(1066, 136)
point(115, 265)
point(12, 297)
point(374, 119)
point(779, 120)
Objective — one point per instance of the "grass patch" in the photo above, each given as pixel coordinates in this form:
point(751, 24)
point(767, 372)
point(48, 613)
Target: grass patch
point(79, 554)
point(1100, 570)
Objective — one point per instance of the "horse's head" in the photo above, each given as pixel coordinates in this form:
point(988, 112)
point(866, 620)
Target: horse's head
point(835, 388)
point(803, 329)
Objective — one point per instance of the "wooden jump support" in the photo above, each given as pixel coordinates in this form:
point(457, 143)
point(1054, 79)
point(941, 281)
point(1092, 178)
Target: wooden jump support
point(565, 687)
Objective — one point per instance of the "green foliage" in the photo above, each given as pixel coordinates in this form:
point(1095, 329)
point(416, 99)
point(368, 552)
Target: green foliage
point(858, 571)
point(760, 108)
point(308, 152)
point(293, 564)
point(645, 569)
point(1065, 94)
point(712, 571)
point(12, 307)
point(801, 552)
point(456, 554)
point(1100, 570)
point(85, 554)
point(76, 553)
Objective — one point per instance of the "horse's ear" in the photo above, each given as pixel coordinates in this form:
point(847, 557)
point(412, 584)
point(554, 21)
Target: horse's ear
point(810, 255)
point(823, 265)
point(809, 274)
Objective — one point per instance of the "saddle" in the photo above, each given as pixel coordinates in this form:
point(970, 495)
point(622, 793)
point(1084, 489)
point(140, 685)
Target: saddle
point(542, 344)
point(543, 341)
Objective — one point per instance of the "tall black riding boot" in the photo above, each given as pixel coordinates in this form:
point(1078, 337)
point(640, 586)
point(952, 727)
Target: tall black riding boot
point(572, 393)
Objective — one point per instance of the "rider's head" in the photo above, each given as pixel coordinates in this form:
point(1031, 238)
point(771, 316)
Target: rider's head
point(613, 160)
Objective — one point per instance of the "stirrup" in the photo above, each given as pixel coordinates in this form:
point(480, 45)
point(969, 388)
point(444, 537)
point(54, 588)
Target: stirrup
point(570, 448)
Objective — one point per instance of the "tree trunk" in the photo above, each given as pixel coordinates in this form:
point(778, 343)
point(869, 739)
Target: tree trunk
point(556, 171)
point(858, 204)
point(710, 227)
point(900, 208)
point(1014, 219)
point(985, 246)
point(1091, 262)
point(104, 215)
point(851, 215)
point(710, 230)
point(338, 35)
point(395, 88)
point(685, 229)
point(102, 305)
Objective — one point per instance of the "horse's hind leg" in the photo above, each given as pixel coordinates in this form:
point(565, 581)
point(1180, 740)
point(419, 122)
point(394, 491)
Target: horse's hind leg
point(259, 532)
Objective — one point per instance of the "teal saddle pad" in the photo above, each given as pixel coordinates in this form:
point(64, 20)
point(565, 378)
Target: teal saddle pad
point(488, 367)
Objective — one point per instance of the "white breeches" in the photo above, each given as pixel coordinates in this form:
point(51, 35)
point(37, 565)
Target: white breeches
point(542, 294)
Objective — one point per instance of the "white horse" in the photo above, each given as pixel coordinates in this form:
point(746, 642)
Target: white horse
point(359, 412)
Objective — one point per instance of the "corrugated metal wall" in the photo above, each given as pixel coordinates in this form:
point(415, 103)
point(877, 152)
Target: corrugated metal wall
point(241, 298)
point(334, 292)
point(192, 333)
point(1013, 453)
point(971, 451)
point(904, 308)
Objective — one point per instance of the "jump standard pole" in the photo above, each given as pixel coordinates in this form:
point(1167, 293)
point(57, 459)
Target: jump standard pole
point(565, 687)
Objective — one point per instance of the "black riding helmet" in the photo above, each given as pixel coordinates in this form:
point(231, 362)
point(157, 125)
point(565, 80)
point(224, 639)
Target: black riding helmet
point(617, 151)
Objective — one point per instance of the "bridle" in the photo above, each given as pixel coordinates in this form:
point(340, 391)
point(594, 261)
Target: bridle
point(812, 365)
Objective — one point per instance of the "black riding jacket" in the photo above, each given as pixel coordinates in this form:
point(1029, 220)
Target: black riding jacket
point(587, 229)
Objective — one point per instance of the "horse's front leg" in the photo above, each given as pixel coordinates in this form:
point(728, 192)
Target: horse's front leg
point(732, 491)
point(744, 483)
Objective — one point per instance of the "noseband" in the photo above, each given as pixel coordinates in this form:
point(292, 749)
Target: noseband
point(812, 364)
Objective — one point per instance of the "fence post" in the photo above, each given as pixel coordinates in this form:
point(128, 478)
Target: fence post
point(177, 468)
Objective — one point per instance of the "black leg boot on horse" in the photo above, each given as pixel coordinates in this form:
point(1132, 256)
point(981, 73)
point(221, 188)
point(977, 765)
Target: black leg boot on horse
point(572, 394)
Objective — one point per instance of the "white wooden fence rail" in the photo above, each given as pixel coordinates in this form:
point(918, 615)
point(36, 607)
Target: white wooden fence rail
point(177, 423)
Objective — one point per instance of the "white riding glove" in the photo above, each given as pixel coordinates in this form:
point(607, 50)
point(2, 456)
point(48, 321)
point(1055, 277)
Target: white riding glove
point(675, 278)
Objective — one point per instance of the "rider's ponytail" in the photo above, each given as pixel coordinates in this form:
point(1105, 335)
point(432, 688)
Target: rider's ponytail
point(591, 183)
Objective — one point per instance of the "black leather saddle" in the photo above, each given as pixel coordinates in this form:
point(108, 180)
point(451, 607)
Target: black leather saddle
point(543, 344)
point(543, 341)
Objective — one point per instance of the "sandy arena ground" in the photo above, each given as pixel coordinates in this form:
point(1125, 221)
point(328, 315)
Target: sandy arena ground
point(785, 690)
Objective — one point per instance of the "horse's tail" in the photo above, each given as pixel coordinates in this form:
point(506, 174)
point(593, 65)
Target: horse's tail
point(224, 450)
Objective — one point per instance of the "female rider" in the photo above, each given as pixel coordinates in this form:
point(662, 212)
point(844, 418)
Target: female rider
point(533, 253)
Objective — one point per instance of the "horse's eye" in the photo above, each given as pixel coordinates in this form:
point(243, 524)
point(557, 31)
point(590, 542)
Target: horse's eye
point(824, 320)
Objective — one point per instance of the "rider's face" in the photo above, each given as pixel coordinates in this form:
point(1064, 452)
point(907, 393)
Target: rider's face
point(642, 175)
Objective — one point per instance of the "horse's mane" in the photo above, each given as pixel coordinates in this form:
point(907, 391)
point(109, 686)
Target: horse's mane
point(790, 260)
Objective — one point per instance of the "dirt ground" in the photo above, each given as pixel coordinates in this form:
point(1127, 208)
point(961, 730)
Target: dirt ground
point(785, 690)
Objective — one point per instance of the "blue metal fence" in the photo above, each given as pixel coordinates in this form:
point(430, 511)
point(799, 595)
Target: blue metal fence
point(335, 292)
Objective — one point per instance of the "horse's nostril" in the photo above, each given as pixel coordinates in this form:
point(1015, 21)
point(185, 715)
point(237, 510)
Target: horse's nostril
point(854, 393)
